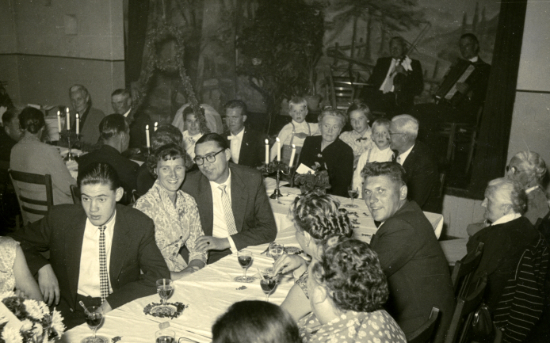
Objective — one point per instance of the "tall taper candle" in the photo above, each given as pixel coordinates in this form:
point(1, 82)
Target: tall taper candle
point(266, 151)
point(292, 155)
point(68, 120)
point(147, 136)
point(77, 124)
point(278, 150)
point(59, 121)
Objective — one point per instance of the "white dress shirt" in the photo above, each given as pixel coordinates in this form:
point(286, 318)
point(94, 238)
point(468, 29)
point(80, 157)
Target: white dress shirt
point(219, 225)
point(402, 157)
point(127, 112)
point(507, 218)
point(406, 64)
point(88, 277)
point(236, 141)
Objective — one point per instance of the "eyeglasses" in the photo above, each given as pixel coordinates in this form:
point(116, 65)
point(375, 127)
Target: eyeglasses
point(396, 133)
point(211, 158)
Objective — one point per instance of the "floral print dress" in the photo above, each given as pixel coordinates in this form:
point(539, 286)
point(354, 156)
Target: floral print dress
point(7, 259)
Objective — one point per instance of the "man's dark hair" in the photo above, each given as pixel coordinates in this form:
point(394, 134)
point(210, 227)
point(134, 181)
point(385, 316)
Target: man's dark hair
point(237, 104)
point(391, 169)
point(31, 120)
point(9, 115)
point(99, 173)
point(121, 91)
point(166, 134)
point(214, 137)
point(112, 125)
point(401, 41)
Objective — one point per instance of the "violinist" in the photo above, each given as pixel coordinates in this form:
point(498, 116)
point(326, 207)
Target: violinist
point(395, 81)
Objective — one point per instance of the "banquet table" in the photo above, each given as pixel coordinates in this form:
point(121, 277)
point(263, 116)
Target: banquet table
point(211, 290)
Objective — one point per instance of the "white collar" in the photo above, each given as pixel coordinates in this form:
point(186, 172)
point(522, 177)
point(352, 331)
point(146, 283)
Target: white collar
point(238, 135)
point(304, 123)
point(529, 190)
point(474, 59)
point(109, 225)
point(127, 112)
point(507, 218)
point(402, 157)
point(227, 182)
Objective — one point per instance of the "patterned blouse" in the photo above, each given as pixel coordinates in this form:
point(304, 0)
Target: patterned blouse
point(7, 259)
point(175, 226)
point(359, 143)
point(350, 327)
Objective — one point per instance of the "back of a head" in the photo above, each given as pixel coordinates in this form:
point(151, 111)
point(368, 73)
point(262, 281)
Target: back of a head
point(407, 124)
point(166, 134)
point(98, 173)
point(534, 163)
point(9, 115)
point(31, 120)
point(214, 137)
point(112, 125)
point(253, 321)
point(393, 170)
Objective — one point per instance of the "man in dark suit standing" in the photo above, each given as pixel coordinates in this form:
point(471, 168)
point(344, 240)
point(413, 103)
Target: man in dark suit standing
point(395, 81)
point(422, 176)
point(232, 200)
point(410, 256)
point(246, 144)
point(101, 253)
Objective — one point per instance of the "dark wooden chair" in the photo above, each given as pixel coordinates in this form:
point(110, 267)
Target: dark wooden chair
point(424, 334)
point(342, 89)
point(464, 269)
point(24, 202)
point(75, 194)
point(463, 315)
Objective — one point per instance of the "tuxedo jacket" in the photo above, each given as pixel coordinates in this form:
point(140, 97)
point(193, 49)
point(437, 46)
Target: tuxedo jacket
point(133, 251)
point(423, 180)
point(252, 152)
point(416, 269)
point(249, 202)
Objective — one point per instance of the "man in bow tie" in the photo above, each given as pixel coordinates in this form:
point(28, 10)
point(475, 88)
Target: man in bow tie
point(395, 81)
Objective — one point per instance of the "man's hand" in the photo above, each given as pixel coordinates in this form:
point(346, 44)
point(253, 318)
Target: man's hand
point(399, 69)
point(206, 243)
point(462, 87)
point(47, 281)
point(104, 308)
point(288, 263)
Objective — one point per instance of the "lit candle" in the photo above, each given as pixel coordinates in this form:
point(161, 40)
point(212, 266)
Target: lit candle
point(77, 124)
point(266, 151)
point(59, 121)
point(292, 155)
point(278, 150)
point(156, 126)
point(147, 136)
point(68, 120)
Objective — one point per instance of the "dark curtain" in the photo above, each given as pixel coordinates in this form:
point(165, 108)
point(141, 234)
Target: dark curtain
point(496, 121)
point(138, 12)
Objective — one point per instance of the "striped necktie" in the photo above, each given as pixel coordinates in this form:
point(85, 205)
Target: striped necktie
point(103, 275)
point(228, 212)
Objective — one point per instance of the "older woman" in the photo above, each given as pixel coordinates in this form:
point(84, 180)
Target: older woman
point(30, 155)
point(316, 219)
point(359, 139)
point(505, 239)
point(175, 213)
point(328, 151)
point(347, 289)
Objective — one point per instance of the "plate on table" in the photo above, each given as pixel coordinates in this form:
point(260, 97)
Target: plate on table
point(167, 310)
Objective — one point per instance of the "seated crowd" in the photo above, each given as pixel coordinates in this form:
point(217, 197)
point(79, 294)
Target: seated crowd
point(200, 196)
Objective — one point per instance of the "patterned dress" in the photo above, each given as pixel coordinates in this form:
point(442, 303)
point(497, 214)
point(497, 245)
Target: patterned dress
point(7, 258)
point(175, 226)
point(359, 143)
point(350, 327)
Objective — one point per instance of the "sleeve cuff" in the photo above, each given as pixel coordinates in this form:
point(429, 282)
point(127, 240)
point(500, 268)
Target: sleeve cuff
point(233, 247)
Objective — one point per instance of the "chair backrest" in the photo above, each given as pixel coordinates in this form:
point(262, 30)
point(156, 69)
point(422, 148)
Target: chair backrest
point(24, 202)
point(75, 194)
point(464, 312)
point(464, 269)
point(424, 334)
point(342, 89)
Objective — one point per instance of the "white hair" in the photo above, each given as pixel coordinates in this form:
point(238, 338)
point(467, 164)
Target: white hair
point(407, 124)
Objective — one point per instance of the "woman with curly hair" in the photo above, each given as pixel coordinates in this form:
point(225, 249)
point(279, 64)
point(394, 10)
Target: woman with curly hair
point(347, 289)
point(316, 219)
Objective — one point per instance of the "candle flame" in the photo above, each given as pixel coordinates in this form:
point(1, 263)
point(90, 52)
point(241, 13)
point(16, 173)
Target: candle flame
point(146, 127)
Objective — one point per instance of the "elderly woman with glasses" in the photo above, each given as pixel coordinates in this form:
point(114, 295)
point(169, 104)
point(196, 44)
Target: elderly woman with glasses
point(175, 213)
point(330, 152)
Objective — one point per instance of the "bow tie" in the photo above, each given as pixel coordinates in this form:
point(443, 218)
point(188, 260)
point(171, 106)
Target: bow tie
point(362, 139)
point(229, 138)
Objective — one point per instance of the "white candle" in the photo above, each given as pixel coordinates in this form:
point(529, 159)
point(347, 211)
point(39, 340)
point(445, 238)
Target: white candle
point(68, 120)
point(77, 124)
point(147, 136)
point(156, 126)
point(59, 121)
point(266, 151)
point(278, 150)
point(292, 155)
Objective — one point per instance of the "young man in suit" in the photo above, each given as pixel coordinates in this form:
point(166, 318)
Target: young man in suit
point(409, 253)
point(232, 200)
point(246, 144)
point(101, 253)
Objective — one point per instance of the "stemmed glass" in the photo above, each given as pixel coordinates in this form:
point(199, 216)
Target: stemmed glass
point(245, 260)
point(165, 289)
point(94, 319)
point(276, 250)
point(268, 282)
point(353, 193)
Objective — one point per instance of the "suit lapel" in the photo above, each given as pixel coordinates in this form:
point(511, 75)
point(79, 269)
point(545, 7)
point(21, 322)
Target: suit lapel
point(205, 198)
point(119, 246)
point(239, 198)
point(73, 251)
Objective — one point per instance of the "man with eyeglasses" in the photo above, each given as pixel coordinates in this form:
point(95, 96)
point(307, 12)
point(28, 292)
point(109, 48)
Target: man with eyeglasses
point(419, 163)
point(232, 200)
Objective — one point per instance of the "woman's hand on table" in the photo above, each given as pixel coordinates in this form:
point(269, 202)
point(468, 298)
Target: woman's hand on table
point(206, 243)
point(290, 263)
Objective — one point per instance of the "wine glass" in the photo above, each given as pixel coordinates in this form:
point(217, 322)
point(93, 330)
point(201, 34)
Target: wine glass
point(245, 260)
point(276, 250)
point(353, 193)
point(94, 319)
point(268, 282)
point(165, 289)
point(165, 336)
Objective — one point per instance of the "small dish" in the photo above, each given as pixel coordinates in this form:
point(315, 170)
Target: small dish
point(168, 310)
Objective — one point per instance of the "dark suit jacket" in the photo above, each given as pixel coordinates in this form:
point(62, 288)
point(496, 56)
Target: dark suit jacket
point(251, 209)
point(416, 268)
point(133, 250)
point(89, 124)
point(423, 180)
point(339, 159)
point(6, 143)
point(126, 169)
point(252, 148)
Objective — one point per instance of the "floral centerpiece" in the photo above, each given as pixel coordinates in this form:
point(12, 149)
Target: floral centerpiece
point(38, 324)
point(317, 182)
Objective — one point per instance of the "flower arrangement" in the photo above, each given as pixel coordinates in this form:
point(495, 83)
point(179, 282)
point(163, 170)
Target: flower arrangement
point(38, 324)
point(317, 181)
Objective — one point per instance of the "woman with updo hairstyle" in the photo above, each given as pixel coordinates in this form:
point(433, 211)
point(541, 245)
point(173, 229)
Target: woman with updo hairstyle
point(174, 212)
point(253, 321)
point(317, 218)
point(347, 289)
point(30, 155)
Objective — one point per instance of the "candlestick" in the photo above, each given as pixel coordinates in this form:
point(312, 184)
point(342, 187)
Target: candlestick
point(156, 126)
point(266, 151)
point(77, 124)
point(291, 163)
point(68, 119)
point(278, 150)
point(59, 121)
point(147, 136)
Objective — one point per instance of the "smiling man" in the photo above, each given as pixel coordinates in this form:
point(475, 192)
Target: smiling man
point(101, 253)
point(232, 200)
point(412, 259)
